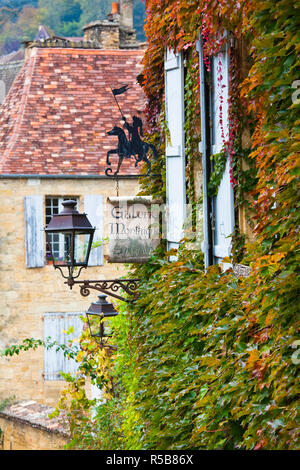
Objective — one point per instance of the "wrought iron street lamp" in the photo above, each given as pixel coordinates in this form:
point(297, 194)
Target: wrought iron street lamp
point(69, 239)
point(98, 316)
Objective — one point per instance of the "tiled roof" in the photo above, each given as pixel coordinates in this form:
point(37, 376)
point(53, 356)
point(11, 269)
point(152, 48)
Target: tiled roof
point(56, 115)
point(12, 57)
point(36, 415)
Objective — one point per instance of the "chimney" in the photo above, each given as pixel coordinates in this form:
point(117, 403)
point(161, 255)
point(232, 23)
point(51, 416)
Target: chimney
point(105, 33)
point(117, 31)
point(126, 14)
point(114, 15)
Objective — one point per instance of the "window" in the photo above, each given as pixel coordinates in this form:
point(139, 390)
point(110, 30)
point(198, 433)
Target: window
point(219, 217)
point(54, 206)
point(39, 209)
point(55, 327)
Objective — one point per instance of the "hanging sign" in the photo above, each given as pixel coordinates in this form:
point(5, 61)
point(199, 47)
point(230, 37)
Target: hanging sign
point(133, 228)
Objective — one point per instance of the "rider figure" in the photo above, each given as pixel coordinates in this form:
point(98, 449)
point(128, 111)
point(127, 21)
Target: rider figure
point(135, 132)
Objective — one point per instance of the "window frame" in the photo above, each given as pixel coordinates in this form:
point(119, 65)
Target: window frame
point(59, 208)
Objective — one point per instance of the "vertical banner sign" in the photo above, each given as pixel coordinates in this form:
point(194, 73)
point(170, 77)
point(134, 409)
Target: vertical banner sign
point(133, 228)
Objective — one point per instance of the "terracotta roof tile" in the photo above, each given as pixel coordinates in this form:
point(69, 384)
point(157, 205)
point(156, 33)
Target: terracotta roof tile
point(56, 115)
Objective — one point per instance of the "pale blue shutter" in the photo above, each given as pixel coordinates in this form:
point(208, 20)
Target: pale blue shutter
point(175, 158)
point(54, 326)
point(34, 233)
point(223, 203)
point(205, 151)
point(93, 207)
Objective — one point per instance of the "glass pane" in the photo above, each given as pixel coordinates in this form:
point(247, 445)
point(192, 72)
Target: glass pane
point(81, 248)
point(99, 327)
point(61, 247)
point(107, 327)
point(94, 324)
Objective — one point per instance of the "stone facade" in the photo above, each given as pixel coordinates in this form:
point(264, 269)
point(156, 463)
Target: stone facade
point(28, 293)
point(117, 31)
point(27, 426)
point(106, 34)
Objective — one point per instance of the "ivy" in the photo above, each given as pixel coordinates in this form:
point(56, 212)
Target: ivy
point(31, 343)
point(219, 164)
point(204, 358)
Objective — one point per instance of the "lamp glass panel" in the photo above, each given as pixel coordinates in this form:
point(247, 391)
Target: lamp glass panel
point(81, 246)
point(94, 324)
point(60, 245)
point(108, 330)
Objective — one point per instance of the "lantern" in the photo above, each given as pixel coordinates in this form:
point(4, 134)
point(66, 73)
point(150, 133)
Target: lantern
point(69, 239)
point(98, 316)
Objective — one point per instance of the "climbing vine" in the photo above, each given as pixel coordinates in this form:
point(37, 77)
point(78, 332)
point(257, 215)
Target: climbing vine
point(205, 359)
point(221, 346)
point(219, 164)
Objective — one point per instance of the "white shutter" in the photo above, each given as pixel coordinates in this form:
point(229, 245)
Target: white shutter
point(34, 233)
point(54, 326)
point(223, 203)
point(175, 158)
point(93, 207)
point(205, 151)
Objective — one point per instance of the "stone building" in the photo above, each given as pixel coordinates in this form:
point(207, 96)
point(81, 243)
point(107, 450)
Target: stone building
point(27, 426)
point(53, 146)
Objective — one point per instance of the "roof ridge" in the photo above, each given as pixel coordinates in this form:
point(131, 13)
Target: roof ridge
point(30, 65)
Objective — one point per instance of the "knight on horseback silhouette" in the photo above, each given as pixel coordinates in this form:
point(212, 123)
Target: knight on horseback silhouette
point(135, 132)
point(133, 146)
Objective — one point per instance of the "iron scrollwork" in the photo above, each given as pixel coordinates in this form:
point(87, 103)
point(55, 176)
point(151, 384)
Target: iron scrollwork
point(109, 287)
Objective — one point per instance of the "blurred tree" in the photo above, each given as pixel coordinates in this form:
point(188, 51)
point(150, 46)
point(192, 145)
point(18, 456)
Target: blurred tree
point(20, 19)
point(14, 32)
point(58, 14)
point(94, 10)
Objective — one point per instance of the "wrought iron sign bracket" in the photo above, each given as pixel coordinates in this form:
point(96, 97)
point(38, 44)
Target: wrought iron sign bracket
point(109, 287)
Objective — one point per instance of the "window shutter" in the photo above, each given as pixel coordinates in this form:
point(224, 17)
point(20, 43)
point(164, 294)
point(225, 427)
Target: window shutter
point(175, 159)
point(93, 207)
point(223, 203)
point(54, 326)
point(204, 148)
point(34, 233)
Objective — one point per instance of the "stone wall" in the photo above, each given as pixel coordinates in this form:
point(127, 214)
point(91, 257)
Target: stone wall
point(26, 426)
point(104, 33)
point(27, 294)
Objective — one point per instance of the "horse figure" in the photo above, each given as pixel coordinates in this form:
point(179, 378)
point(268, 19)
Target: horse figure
point(128, 148)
